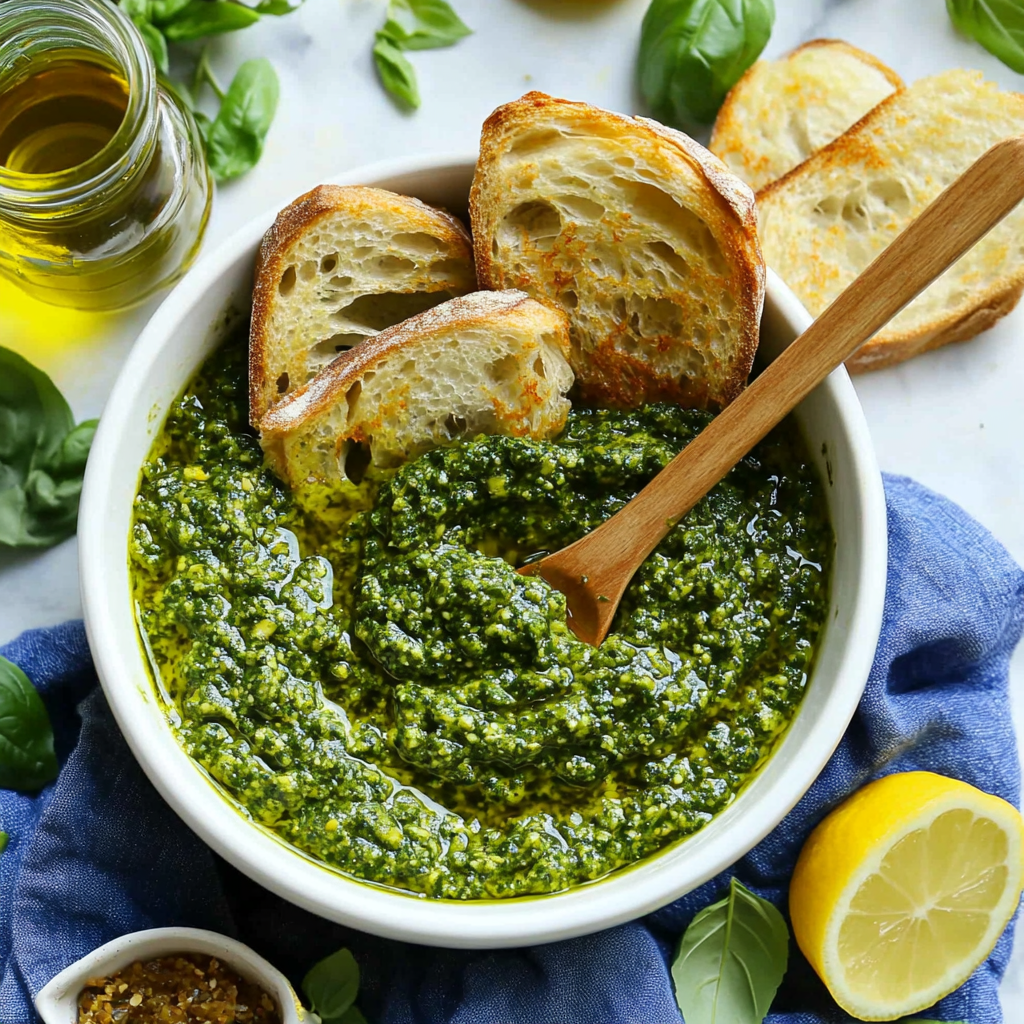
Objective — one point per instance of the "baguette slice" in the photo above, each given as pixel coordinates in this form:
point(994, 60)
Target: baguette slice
point(782, 111)
point(486, 363)
point(826, 220)
point(639, 233)
point(339, 265)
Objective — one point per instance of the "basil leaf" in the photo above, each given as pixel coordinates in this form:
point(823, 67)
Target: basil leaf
point(353, 1015)
point(396, 73)
point(42, 457)
point(234, 141)
point(277, 7)
point(331, 986)
point(423, 24)
point(161, 11)
point(4, 840)
point(997, 24)
point(200, 18)
point(156, 44)
point(692, 52)
point(137, 10)
point(731, 960)
point(27, 760)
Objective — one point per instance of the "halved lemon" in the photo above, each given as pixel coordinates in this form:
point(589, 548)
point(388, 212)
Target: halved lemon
point(903, 890)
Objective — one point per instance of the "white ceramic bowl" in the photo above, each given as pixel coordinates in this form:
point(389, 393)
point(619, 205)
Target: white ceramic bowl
point(181, 334)
point(57, 1002)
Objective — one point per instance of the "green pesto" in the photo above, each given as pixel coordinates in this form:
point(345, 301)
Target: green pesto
point(367, 675)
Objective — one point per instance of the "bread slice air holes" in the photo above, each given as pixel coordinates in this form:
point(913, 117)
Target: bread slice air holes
point(618, 254)
point(827, 219)
point(638, 233)
point(339, 265)
point(489, 362)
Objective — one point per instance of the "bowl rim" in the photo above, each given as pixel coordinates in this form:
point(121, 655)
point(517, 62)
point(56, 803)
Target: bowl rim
point(626, 894)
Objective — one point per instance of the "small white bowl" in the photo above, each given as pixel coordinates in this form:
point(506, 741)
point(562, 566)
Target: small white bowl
point(184, 330)
point(57, 1002)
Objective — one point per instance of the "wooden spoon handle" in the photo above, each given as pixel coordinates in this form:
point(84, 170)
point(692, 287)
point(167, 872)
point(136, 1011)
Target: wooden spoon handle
point(958, 218)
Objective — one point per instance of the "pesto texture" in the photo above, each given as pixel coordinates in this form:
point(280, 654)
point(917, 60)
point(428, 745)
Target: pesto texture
point(367, 675)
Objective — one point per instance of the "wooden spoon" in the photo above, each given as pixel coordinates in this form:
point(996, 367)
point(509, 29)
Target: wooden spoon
point(594, 571)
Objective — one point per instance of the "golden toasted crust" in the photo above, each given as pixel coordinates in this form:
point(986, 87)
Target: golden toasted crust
point(330, 386)
point(295, 221)
point(989, 309)
point(755, 155)
point(908, 147)
point(854, 51)
point(619, 367)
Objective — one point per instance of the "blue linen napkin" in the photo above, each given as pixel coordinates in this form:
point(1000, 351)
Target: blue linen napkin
point(98, 853)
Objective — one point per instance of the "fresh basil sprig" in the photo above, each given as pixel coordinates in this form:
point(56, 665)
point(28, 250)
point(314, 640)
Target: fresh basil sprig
point(234, 138)
point(731, 960)
point(997, 24)
point(331, 986)
point(413, 25)
point(42, 457)
point(27, 760)
point(692, 52)
point(396, 73)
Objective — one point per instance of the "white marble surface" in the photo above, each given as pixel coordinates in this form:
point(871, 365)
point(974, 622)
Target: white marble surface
point(953, 419)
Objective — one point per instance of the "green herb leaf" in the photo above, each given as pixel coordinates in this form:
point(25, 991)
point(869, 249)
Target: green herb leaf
point(42, 457)
point(331, 986)
point(27, 760)
point(234, 141)
point(161, 11)
point(353, 1015)
point(692, 52)
point(137, 10)
point(4, 840)
point(277, 7)
point(200, 18)
point(997, 24)
point(396, 73)
point(423, 24)
point(155, 43)
point(731, 960)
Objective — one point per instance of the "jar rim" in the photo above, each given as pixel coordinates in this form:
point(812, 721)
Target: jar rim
point(104, 28)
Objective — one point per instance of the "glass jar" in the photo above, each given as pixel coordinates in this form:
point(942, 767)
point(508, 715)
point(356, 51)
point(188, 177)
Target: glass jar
point(104, 188)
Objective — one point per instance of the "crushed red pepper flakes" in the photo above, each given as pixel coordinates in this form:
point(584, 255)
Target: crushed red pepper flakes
point(184, 988)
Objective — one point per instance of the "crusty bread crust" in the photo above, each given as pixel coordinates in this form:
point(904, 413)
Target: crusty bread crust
point(946, 122)
point(296, 221)
point(990, 308)
point(521, 396)
point(749, 157)
point(854, 51)
point(620, 364)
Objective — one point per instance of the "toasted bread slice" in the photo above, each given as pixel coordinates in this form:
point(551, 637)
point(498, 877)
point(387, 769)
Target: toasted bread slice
point(782, 111)
point(339, 265)
point(486, 363)
point(826, 220)
point(639, 233)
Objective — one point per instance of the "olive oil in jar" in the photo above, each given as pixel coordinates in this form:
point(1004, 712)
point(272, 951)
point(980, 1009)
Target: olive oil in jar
point(104, 188)
point(61, 116)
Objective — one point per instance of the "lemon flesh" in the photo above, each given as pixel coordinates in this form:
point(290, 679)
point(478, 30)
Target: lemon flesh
point(903, 890)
